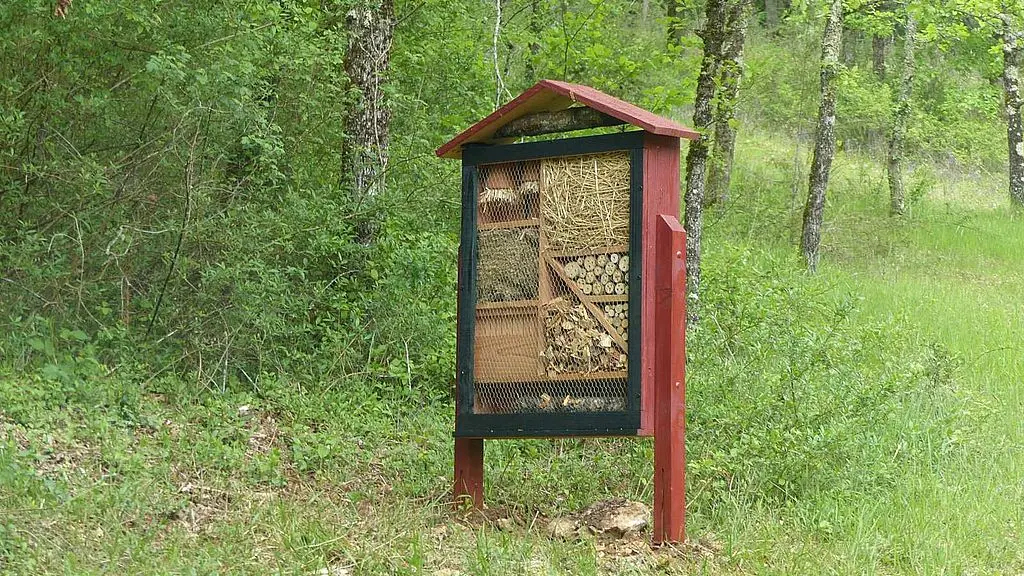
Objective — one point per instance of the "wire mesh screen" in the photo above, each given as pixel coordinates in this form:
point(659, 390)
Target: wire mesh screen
point(552, 285)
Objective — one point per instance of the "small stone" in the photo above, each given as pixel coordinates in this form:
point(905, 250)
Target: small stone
point(618, 517)
point(504, 524)
point(563, 528)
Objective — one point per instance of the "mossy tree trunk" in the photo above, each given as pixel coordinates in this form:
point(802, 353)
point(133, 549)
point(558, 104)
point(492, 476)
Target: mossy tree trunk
point(730, 75)
point(901, 116)
point(825, 136)
point(1013, 57)
point(697, 155)
point(364, 154)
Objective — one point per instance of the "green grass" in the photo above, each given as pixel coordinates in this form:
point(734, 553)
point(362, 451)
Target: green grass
point(862, 421)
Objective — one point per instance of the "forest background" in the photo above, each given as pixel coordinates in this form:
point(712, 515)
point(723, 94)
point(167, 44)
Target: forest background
point(227, 285)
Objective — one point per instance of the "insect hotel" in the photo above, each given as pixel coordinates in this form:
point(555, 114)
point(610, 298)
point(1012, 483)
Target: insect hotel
point(571, 283)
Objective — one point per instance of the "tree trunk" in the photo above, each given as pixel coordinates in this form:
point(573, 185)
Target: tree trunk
point(730, 74)
point(697, 155)
point(1013, 57)
point(365, 151)
point(771, 14)
point(848, 45)
point(899, 122)
point(880, 44)
point(825, 136)
point(675, 25)
point(535, 32)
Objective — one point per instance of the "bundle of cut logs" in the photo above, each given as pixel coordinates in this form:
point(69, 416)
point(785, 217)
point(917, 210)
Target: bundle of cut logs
point(601, 274)
point(576, 343)
point(618, 315)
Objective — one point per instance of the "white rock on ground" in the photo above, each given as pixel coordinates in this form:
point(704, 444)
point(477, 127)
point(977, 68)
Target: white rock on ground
point(563, 528)
point(617, 517)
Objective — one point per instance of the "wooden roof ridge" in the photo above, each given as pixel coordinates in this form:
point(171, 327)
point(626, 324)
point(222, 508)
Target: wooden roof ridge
point(554, 95)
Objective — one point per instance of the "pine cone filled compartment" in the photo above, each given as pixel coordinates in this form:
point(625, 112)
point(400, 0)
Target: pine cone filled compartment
point(577, 343)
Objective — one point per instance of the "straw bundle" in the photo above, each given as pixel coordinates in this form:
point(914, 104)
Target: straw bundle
point(586, 201)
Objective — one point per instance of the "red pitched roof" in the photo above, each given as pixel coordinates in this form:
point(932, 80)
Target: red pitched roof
point(553, 95)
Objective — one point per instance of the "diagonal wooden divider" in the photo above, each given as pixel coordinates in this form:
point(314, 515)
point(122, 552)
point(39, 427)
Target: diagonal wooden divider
point(597, 312)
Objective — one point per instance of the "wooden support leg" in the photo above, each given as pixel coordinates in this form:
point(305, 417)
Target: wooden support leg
point(670, 383)
point(469, 471)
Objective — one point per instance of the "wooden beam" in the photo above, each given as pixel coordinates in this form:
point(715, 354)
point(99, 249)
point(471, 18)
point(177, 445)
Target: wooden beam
point(469, 471)
point(670, 382)
point(568, 120)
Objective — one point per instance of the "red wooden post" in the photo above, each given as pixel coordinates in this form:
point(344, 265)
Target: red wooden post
point(469, 471)
point(661, 196)
point(670, 383)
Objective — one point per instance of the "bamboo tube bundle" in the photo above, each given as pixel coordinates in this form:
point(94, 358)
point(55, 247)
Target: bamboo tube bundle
point(529, 188)
point(502, 199)
point(576, 342)
point(529, 177)
point(586, 201)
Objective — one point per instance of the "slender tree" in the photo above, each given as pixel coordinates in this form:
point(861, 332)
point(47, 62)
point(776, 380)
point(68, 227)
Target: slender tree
point(730, 75)
point(771, 14)
point(880, 45)
point(881, 39)
point(536, 28)
point(697, 155)
point(825, 136)
point(900, 118)
point(848, 44)
point(1013, 57)
point(364, 155)
point(675, 25)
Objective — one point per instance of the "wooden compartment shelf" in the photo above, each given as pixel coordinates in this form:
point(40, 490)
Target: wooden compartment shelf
point(532, 222)
point(510, 340)
point(578, 254)
point(609, 298)
point(507, 305)
point(588, 376)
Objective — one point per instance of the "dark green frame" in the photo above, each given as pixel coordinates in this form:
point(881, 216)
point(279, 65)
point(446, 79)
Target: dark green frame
point(621, 423)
